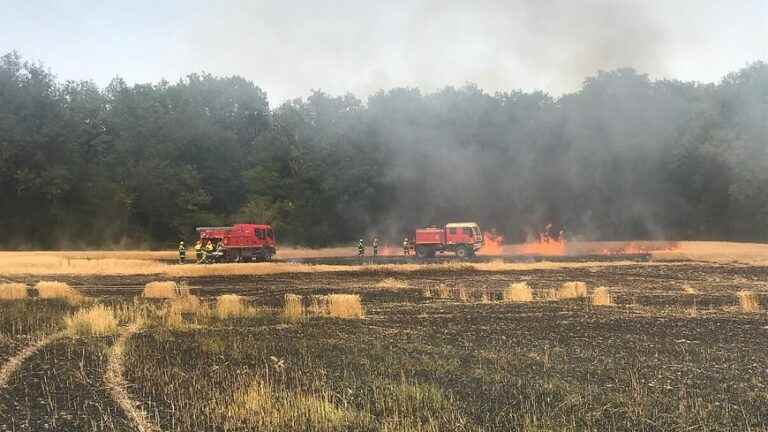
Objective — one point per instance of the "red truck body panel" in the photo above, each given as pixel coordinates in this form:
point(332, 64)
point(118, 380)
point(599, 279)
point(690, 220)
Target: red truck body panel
point(242, 240)
point(463, 238)
point(432, 236)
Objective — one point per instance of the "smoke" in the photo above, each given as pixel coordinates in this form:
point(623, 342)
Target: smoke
point(550, 44)
point(361, 48)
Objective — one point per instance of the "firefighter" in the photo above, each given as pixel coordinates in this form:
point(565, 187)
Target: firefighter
point(209, 247)
point(375, 247)
point(199, 250)
point(182, 253)
point(406, 248)
point(360, 248)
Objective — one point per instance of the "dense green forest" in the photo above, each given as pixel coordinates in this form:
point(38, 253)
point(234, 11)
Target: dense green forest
point(142, 165)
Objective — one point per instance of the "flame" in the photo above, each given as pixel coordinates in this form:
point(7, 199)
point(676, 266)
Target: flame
point(493, 243)
point(546, 243)
point(389, 250)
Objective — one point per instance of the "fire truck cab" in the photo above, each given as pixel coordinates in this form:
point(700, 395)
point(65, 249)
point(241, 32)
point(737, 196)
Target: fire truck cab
point(463, 239)
point(240, 242)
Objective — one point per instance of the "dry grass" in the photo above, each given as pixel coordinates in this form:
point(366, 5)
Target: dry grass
point(687, 289)
point(602, 297)
point(443, 291)
point(517, 292)
point(392, 284)
point(58, 290)
point(550, 295)
point(189, 304)
point(98, 320)
point(60, 263)
point(572, 290)
point(692, 311)
point(13, 291)
point(293, 309)
point(318, 305)
point(259, 407)
point(749, 301)
point(146, 263)
point(717, 252)
point(481, 295)
point(460, 294)
point(345, 306)
point(164, 290)
point(232, 306)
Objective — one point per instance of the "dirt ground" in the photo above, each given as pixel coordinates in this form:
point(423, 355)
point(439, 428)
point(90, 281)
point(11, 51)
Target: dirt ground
point(673, 352)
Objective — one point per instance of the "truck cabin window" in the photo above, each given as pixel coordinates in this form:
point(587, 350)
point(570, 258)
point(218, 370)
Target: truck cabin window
point(451, 230)
point(259, 234)
point(468, 232)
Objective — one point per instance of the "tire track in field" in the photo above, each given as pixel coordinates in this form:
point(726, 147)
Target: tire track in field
point(114, 377)
point(14, 362)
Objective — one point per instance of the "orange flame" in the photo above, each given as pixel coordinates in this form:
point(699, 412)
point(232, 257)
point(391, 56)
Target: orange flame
point(388, 250)
point(544, 246)
point(493, 243)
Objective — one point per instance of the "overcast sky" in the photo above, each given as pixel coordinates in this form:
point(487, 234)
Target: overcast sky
point(291, 47)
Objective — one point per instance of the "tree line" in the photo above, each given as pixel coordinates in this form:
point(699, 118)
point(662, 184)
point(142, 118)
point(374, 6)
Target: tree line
point(624, 157)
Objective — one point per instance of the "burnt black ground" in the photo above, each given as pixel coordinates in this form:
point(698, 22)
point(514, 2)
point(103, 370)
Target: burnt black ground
point(648, 363)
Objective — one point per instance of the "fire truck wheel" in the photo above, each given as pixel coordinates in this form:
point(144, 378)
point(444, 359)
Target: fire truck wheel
point(422, 251)
point(463, 252)
point(267, 255)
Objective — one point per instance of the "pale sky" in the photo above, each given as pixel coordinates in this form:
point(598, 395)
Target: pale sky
point(289, 48)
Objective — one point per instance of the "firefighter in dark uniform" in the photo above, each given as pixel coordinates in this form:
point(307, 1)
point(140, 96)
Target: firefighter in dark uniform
point(182, 253)
point(360, 248)
point(375, 247)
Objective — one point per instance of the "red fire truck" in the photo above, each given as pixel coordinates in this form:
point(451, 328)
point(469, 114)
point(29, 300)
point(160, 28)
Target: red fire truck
point(464, 239)
point(238, 243)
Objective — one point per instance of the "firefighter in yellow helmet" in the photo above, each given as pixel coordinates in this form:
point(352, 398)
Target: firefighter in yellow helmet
point(199, 250)
point(182, 252)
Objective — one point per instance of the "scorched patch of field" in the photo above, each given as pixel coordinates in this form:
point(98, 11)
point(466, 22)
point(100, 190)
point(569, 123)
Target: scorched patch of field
point(566, 346)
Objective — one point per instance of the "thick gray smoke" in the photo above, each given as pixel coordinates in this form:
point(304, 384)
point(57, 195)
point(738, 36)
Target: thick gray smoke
point(360, 47)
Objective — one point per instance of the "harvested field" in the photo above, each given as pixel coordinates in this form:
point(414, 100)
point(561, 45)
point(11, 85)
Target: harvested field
point(430, 347)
